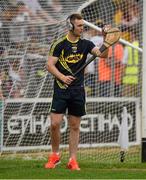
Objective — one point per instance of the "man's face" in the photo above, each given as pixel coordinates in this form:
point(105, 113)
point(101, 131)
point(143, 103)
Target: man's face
point(78, 27)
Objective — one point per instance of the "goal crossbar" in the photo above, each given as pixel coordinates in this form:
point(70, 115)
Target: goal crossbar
point(121, 40)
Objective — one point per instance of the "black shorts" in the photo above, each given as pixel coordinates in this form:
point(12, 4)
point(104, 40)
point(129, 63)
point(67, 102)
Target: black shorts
point(70, 99)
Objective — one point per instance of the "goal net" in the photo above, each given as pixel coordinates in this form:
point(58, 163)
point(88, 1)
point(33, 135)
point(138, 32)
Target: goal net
point(112, 124)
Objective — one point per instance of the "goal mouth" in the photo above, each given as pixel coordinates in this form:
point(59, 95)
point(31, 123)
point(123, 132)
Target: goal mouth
point(113, 122)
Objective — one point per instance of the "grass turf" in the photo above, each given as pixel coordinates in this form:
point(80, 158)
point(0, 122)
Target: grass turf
point(33, 169)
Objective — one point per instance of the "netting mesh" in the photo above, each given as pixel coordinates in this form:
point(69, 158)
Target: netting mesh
point(26, 32)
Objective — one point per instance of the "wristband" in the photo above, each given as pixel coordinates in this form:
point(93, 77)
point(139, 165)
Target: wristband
point(102, 48)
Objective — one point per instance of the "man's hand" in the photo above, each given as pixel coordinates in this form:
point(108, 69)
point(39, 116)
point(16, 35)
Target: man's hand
point(104, 30)
point(67, 79)
point(111, 36)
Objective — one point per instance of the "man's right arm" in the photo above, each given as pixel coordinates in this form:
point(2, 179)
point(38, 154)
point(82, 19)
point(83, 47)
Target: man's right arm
point(51, 67)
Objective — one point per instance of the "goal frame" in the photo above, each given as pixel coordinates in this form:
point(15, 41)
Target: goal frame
point(143, 153)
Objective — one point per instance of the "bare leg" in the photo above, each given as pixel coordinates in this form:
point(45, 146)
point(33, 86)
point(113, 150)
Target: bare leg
point(74, 123)
point(56, 120)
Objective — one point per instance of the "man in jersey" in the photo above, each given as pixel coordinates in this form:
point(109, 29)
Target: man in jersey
point(66, 56)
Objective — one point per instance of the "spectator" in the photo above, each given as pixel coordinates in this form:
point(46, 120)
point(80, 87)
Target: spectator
point(54, 7)
point(2, 52)
point(35, 11)
point(91, 70)
point(19, 26)
point(110, 72)
point(15, 74)
point(131, 75)
point(127, 17)
point(130, 19)
point(118, 13)
point(130, 14)
point(8, 14)
point(14, 25)
point(1, 92)
point(6, 82)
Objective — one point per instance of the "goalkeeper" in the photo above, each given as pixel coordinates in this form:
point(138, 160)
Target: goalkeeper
point(66, 56)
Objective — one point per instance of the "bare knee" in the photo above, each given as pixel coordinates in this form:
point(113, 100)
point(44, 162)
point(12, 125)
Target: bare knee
point(74, 127)
point(56, 120)
point(55, 125)
point(74, 123)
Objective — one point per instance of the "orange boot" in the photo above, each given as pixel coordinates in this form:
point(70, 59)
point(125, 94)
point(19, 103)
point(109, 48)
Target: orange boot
point(53, 160)
point(73, 165)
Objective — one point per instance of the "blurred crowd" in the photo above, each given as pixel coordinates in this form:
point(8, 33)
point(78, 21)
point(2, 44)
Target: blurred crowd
point(25, 36)
point(27, 29)
point(119, 74)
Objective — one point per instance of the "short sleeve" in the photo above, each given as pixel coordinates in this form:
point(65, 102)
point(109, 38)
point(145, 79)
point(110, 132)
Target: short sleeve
point(55, 50)
point(91, 45)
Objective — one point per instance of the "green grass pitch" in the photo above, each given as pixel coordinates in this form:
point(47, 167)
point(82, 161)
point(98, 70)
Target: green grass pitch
point(95, 164)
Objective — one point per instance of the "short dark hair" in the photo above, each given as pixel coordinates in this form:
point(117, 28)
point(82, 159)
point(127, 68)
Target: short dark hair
point(70, 20)
point(74, 16)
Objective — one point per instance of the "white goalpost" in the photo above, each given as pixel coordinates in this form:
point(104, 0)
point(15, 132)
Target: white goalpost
point(114, 122)
point(144, 88)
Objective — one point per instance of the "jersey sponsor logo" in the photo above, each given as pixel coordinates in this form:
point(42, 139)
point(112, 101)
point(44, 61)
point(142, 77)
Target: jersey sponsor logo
point(73, 58)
